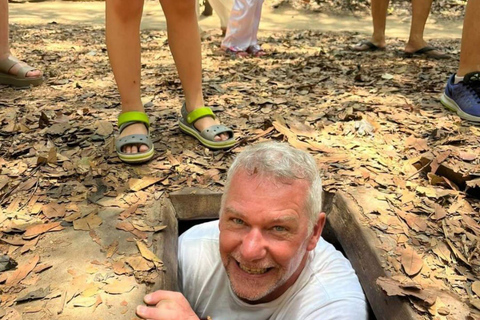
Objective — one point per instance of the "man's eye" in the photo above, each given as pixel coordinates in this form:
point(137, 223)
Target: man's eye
point(237, 221)
point(279, 228)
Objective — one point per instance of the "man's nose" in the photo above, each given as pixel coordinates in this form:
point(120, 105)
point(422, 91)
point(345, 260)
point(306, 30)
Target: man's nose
point(253, 246)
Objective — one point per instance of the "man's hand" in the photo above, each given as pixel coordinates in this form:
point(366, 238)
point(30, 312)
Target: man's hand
point(169, 305)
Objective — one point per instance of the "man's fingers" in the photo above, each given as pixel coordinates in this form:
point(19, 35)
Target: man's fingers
point(157, 296)
point(153, 313)
point(147, 312)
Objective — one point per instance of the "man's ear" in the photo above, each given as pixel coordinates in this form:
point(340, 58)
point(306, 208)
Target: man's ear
point(317, 231)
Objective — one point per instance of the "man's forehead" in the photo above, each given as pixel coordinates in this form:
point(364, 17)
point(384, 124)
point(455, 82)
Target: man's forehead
point(259, 178)
point(285, 217)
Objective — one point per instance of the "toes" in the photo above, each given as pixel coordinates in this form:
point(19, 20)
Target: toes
point(143, 148)
point(135, 149)
point(221, 137)
point(34, 74)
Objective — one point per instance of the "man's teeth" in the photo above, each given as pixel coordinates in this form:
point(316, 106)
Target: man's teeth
point(253, 271)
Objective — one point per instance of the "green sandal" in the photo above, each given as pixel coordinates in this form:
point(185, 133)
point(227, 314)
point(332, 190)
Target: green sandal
point(20, 79)
point(124, 120)
point(206, 136)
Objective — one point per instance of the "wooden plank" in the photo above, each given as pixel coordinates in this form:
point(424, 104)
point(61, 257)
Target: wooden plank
point(195, 203)
point(360, 245)
point(165, 244)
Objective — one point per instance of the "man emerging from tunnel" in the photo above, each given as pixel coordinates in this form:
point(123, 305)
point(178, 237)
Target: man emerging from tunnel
point(264, 258)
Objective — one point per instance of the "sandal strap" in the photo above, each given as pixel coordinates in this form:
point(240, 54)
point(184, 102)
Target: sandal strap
point(130, 117)
point(211, 132)
point(7, 64)
point(133, 139)
point(198, 113)
point(22, 72)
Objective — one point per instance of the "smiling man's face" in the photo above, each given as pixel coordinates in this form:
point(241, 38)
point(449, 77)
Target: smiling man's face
point(264, 236)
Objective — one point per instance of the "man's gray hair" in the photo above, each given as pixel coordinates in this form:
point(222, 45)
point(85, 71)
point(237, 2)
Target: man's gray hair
point(280, 161)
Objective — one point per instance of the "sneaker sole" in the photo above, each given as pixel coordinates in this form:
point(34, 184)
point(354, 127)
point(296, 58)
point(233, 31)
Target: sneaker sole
point(453, 106)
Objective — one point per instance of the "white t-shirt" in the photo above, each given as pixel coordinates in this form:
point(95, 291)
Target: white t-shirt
point(327, 288)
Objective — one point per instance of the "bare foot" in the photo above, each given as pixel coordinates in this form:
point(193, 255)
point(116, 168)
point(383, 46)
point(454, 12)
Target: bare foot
point(422, 48)
point(369, 46)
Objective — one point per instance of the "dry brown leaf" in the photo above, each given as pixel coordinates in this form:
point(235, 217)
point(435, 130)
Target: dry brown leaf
point(474, 183)
point(139, 263)
point(442, 251)
point(418, 144)
point(294, 142)
point(97, 302)
point(415, 222)
point(42, 267)
point(146, 253)
point(12, 314)
point(125, 226)
point(301, 129)
point(39, 229)
point(120, 268)
point(127, 213)
point(470, 223)
point(22, 271)
point(81, 301)
point(112, 248)
point(172, 159)
point(467, 156)
point(393, 288)
point(143, 226)
point(118, 287)
point(52, 155)
point(411, 261)
point(476, 288)
point(440, 212)
point(283, 129)
point(104, 128)
point(139, 184)
point(54, 210)
point(25, 186)
point(88, 223)
point(90, 291)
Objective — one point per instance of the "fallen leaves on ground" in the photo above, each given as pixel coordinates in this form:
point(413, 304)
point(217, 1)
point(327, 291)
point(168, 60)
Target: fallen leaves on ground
point(364, 128)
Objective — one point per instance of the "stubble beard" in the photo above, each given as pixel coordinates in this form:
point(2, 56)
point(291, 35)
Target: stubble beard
point(254, 289)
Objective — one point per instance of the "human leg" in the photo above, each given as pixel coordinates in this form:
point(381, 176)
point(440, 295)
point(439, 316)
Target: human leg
point(184, 41)
point(4, 31)
point(379, 19)
point(123, 44)
point(416, 43)
point(462, 93)
point(469, 54)
point(13, 69)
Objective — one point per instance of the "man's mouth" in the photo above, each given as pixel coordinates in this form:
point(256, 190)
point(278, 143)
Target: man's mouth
point(253, 270)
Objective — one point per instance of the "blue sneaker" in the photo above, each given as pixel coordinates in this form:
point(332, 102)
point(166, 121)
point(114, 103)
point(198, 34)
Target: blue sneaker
point(464, 97)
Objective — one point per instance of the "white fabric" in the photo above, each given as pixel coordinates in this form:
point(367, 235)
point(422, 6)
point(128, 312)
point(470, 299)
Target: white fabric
point(327, 288)
point(457, 79)
point(221, 7)
point(243, 25)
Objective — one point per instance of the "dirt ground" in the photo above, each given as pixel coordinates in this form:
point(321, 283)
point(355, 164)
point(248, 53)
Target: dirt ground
point(372, 120)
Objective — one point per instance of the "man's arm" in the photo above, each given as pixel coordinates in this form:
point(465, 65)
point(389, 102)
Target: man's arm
point(166, 305)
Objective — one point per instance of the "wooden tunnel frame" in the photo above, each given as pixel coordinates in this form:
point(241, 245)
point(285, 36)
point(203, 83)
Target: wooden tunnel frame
point(345, 227)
